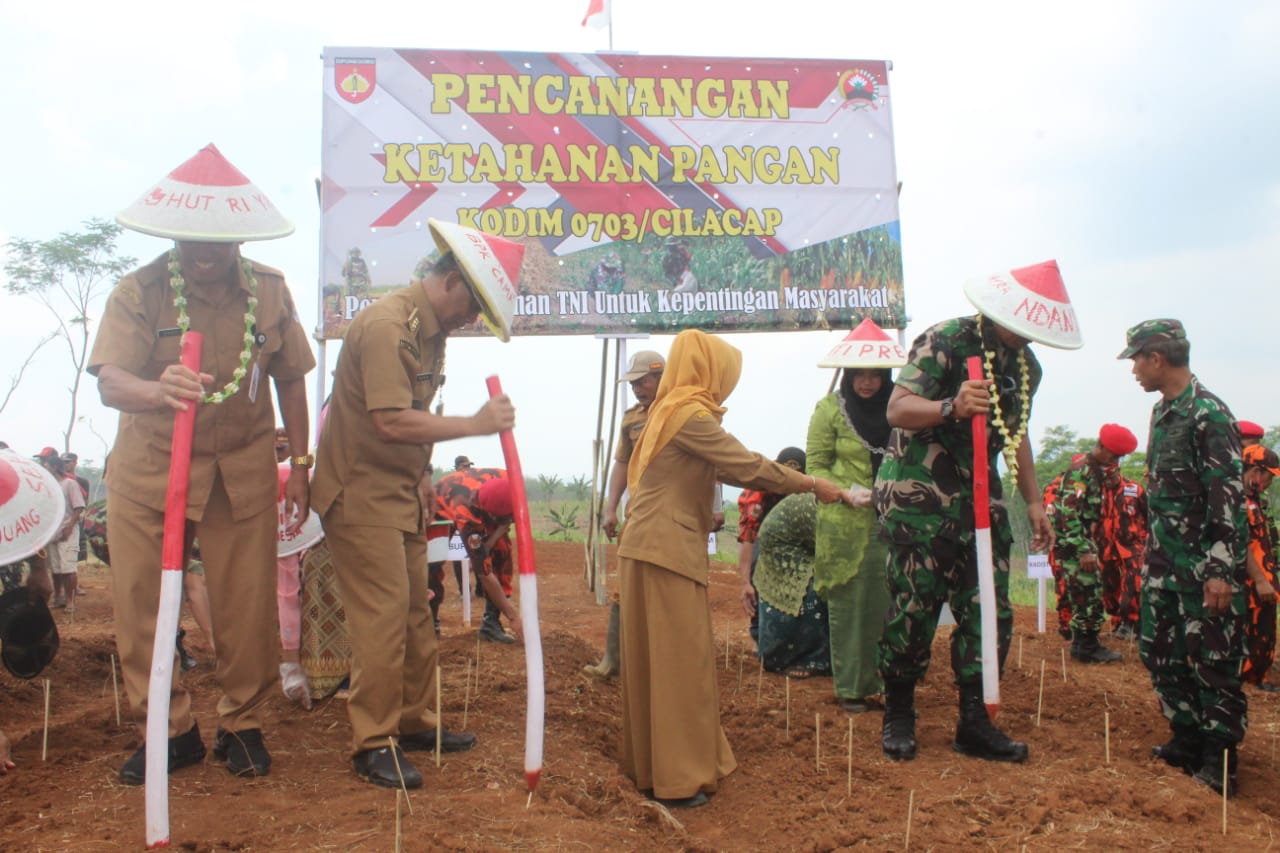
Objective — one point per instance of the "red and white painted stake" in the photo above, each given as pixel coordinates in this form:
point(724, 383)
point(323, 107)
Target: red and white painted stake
point(162, 652)
point(533, 729)
point(986, 565)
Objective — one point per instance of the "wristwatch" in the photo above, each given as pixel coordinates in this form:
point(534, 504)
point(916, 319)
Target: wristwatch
point(302, 461)
point(949, 409)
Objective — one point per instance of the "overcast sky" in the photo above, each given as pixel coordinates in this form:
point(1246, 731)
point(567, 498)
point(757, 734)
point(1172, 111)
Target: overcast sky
point(1134, 142)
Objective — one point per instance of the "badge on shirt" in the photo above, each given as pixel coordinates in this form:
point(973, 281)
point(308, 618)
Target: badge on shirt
point(169, 333)
point(259, 338)
point(253, 383)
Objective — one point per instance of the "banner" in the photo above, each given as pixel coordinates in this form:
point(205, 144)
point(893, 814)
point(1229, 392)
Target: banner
point(653, 193)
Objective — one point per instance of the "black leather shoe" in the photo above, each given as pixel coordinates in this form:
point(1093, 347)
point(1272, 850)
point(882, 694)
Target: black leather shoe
point(698, 799)
point(426, 741)
point(184, 751)
point(244, 752)
point(382, 767)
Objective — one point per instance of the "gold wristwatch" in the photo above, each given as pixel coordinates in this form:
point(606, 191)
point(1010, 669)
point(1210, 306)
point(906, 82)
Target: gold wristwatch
point(302, 461)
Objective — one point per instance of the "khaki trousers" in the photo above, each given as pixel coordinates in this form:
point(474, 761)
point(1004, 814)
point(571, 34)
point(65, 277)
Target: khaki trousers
point(240, 572)
point(382, 579)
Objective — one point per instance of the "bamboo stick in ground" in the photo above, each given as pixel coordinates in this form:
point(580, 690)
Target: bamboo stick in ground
point(741, 657)
point(849, 780)
point(1106, 733)
point(1040, 700)
point(1064, 665)
point(788, 679)
point(911, 803)
point(1225, 756)
point(439, 724)
point(728, 644)
point(44, 747)
point(1020, 653)
point(817, 742)
point(391, 744)
point(397, 820)
point(759, 681)
point(115, 689)
point(466, 697)
point(477, 661)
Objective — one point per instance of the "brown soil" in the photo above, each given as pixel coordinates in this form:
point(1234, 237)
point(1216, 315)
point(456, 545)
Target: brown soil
point(1067, 796)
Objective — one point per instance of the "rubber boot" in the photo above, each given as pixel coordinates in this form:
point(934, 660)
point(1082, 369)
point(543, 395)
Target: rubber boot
point(898, 731)
point(1183, 750)
point(1210, 772)
point(608, 665)
point(1086, 649)
point(185, 660)
point(977, 736)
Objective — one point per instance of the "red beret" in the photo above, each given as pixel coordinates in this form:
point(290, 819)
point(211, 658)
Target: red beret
point(1117, 439)
point(495, 497)
point(1248, 429)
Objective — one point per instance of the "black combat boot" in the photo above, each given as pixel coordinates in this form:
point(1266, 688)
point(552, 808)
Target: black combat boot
point(185, 660)
point(1183, 750)
point(898, 732)
point(1086, 649)
point(977, 736)
point(1210, 772)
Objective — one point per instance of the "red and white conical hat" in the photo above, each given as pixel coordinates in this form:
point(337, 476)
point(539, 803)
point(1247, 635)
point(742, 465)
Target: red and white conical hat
point(491, 266)
point(32, 507)
point(1031, 302)
point(867, 346)
point(206, 199)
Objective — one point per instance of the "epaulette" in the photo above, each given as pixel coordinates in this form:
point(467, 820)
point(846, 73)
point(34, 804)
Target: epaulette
point(413, 321)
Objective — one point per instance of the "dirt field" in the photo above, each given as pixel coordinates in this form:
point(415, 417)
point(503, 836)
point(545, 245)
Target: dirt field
point(1067, 796)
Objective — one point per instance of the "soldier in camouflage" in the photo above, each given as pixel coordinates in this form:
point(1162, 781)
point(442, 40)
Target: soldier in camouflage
point(1077, 544)
point(924, 492)
point(1193, 596)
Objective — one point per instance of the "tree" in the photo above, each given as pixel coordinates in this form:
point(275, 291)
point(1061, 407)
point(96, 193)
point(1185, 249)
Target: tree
point(548, 485)
point(15, 379)
point(68, 275)
point(580, 487)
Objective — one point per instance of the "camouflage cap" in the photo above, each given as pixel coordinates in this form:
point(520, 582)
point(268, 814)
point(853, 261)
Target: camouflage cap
point(1151, 332)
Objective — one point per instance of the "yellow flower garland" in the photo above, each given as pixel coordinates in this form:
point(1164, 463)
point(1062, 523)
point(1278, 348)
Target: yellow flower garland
point(184, 322)
point(1011, 442)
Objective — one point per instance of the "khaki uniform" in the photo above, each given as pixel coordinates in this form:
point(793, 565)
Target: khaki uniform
point(231, 497)
point(671, 736)
point(366, 491)
point(633, 420)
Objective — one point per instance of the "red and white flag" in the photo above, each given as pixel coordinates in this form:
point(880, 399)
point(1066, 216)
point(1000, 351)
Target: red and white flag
point(597, 15)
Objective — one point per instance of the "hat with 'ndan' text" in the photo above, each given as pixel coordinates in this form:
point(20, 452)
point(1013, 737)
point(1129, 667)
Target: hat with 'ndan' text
point(1031, 302)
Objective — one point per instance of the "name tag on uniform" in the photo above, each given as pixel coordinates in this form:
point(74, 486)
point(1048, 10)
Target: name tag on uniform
point(169, 333)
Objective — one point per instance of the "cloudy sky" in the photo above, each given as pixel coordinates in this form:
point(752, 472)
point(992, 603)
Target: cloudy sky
point(1134, 142)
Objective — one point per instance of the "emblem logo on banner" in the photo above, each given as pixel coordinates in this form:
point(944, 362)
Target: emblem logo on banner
point(355, 78)
point(861, 89)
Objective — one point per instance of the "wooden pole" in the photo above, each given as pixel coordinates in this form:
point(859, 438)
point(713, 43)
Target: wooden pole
point(817, 742)
point(1020, 653)
point(911, 803)
point(44, 747)
point(391, 744)
point(398, 820)
point(741, 657)
point(728, 644)
point(115, 689)
point(849, 777)
point(1225, 756)
point(1064, 666)
point(439, 724)
point(466, 697)
point(1106, 733)
point(1040, 700)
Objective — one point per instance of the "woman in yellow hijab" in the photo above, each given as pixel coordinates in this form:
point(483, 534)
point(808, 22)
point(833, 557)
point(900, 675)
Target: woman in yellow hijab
point(673, 746)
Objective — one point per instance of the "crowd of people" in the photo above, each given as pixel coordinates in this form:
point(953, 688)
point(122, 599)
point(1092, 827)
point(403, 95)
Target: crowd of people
point(849, 547)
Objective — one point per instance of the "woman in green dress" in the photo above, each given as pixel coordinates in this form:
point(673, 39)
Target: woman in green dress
point(847, 437)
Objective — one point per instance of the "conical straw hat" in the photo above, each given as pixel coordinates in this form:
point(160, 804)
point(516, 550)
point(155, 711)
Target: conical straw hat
point(1031, 302)
point(206, 199)
point(867, 346)
point(32, 507)
point(491, 266)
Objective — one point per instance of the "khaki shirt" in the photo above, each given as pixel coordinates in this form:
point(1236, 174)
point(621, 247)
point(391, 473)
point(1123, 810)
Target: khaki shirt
point(392, 358)
point(139, 333)
point(633, 420)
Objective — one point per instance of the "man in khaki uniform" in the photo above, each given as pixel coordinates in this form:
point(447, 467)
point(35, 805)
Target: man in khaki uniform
point(644, 372)
point(374, 455)
point(251, 332)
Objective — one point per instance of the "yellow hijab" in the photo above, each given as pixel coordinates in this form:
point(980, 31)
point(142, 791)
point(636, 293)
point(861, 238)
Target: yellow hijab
point(701, 372)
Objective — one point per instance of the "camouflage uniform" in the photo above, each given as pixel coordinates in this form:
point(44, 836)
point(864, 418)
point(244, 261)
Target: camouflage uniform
point(1050, 501)
point(1196, 512)
point(1260, 630)
point(924, 493)
point(1124, 545)
point(1077, 516)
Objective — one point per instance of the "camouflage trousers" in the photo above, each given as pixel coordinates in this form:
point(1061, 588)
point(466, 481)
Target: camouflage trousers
point(923, 573)
point(1195, 660)
point(1260, 638)
point(1083, 590)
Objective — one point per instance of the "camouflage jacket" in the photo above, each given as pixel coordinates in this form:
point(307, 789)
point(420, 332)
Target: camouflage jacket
point(926, 478)
point(1076, 511)
point(1195, 493)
